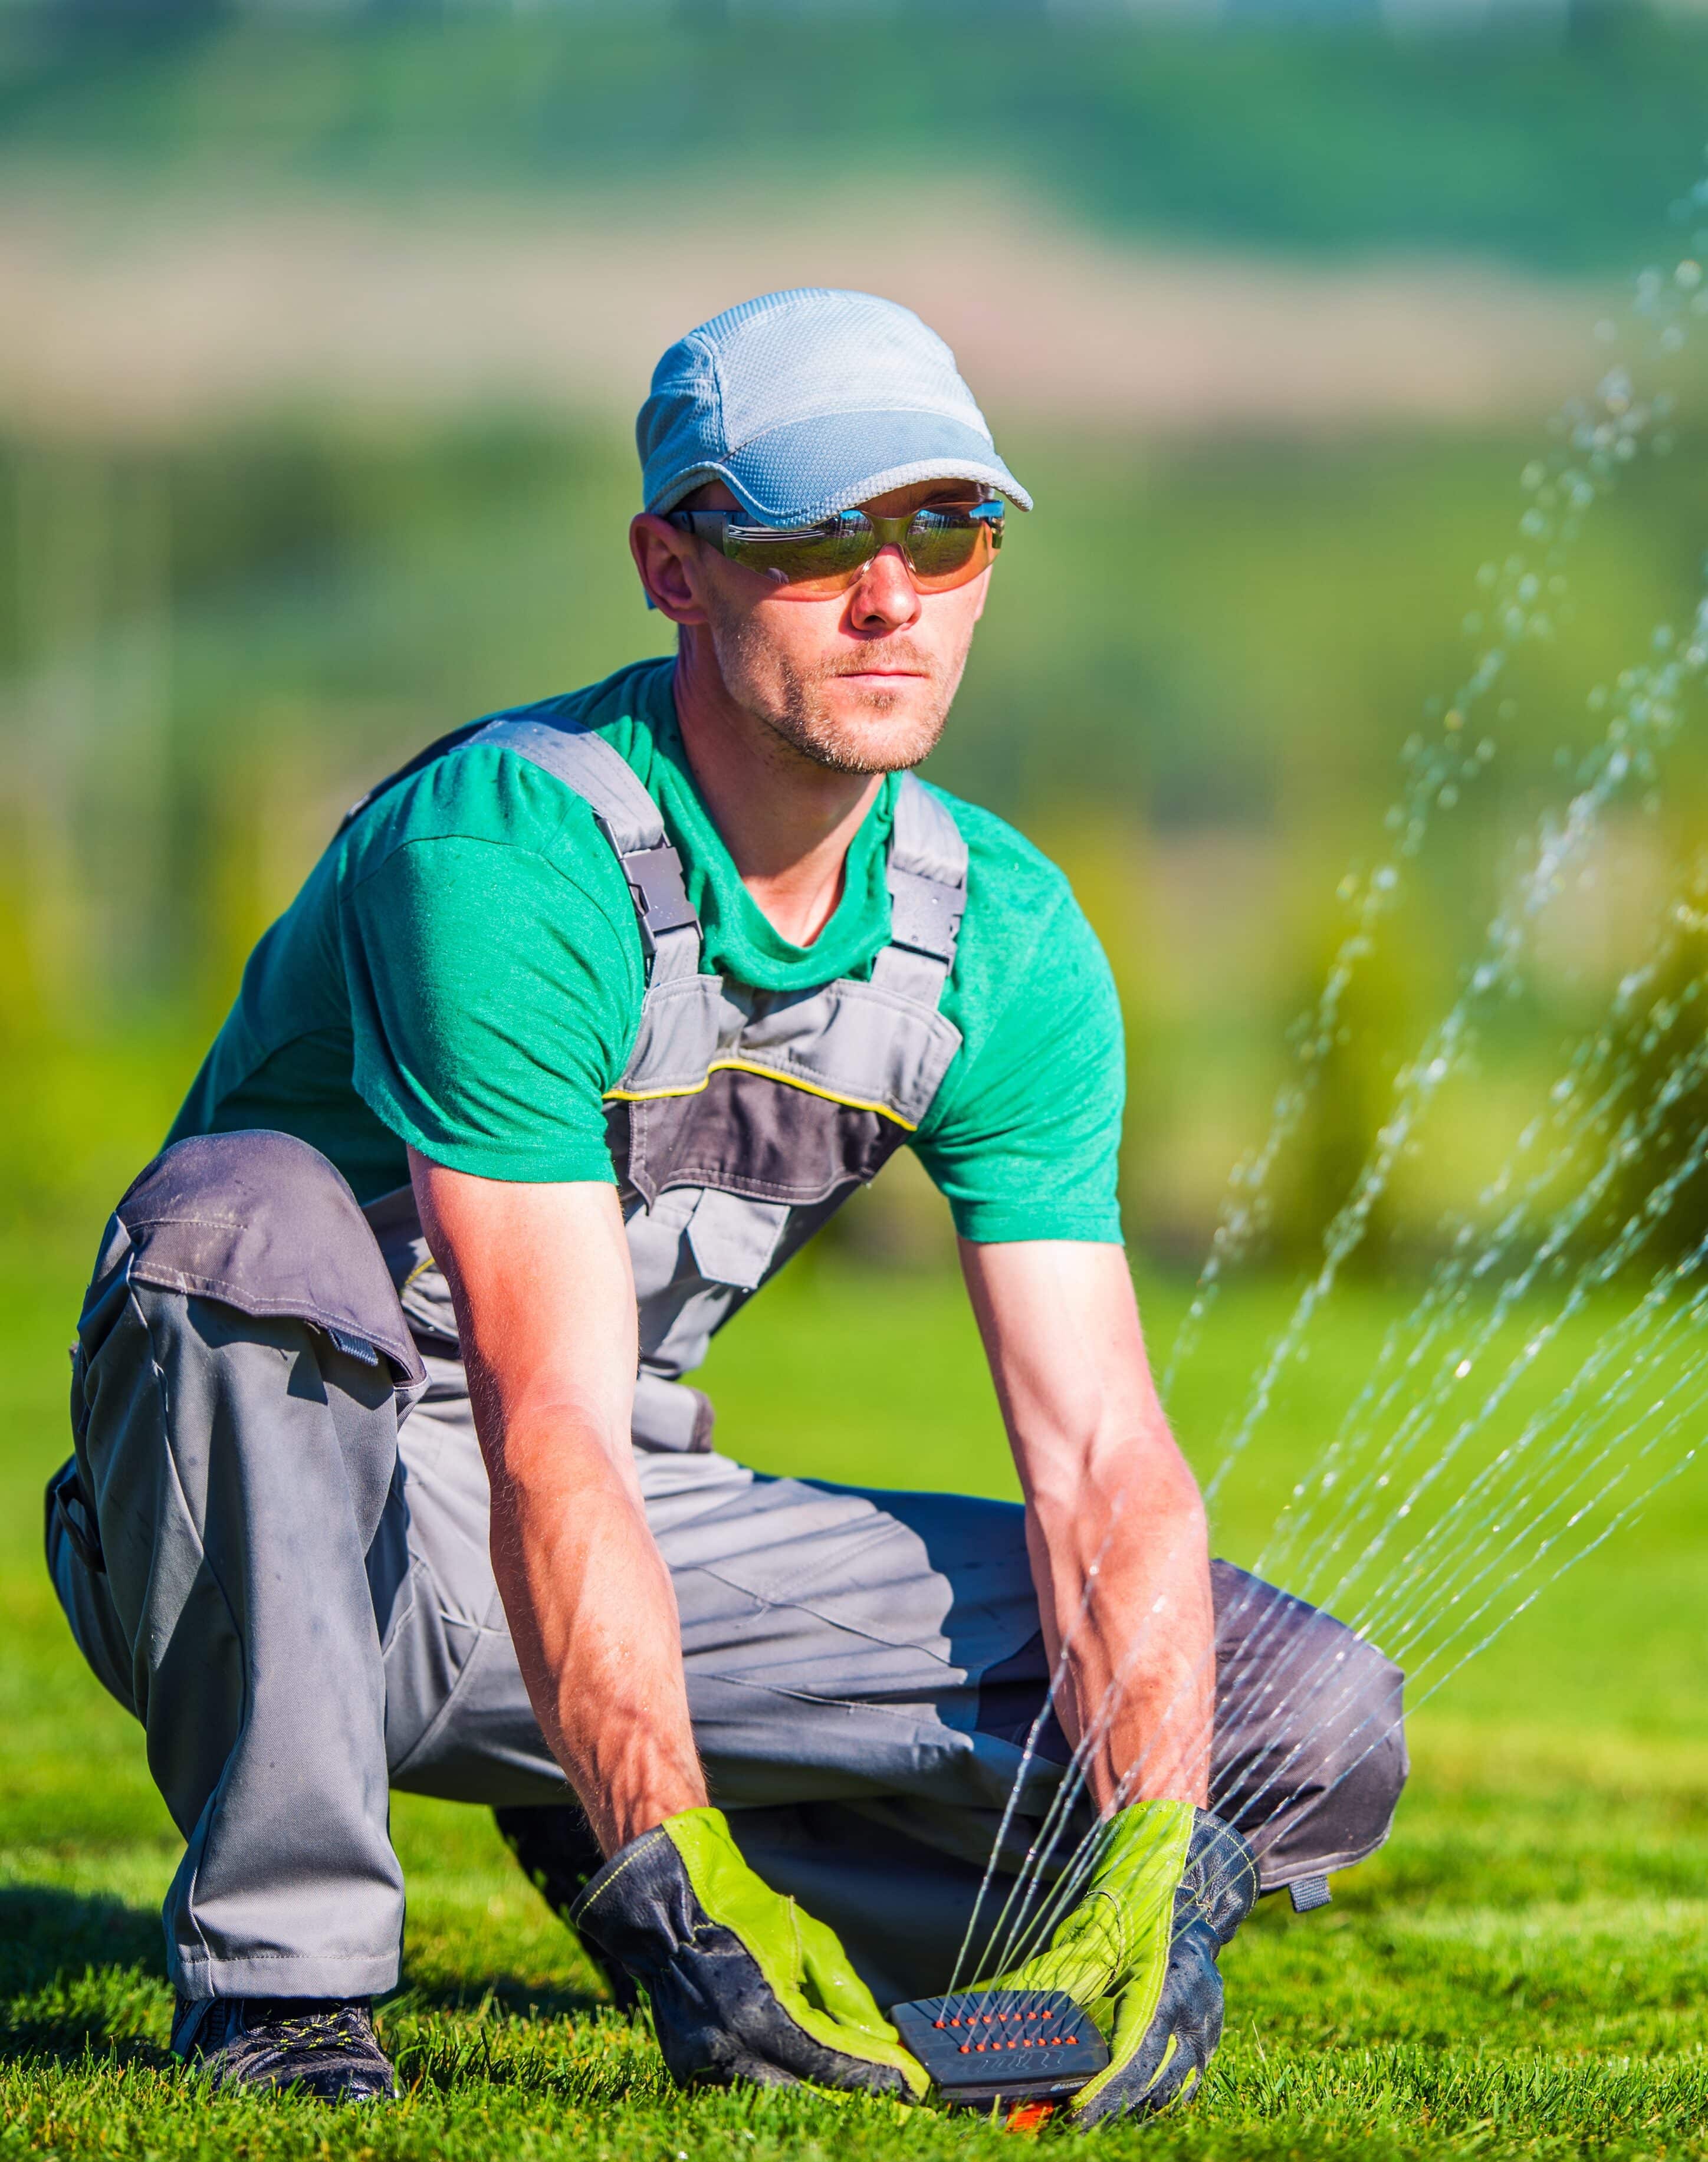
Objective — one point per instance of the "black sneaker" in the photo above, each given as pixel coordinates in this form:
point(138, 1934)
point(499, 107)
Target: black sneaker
point(320, 2047)
point(561, 1857)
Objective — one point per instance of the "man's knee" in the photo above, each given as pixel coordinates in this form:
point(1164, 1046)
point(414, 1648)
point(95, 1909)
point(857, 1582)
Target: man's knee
point(1310, 1755)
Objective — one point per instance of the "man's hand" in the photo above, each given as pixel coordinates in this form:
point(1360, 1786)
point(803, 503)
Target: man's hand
point(545, 1307)
point(742, 1985)
point(1114, 1526)
point(1137, 1952)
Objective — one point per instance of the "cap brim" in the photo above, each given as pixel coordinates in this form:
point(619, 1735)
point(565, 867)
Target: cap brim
point(811, 469)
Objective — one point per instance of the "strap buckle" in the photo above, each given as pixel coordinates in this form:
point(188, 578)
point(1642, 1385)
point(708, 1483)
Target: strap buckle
point(655, 877)
point(925, 915)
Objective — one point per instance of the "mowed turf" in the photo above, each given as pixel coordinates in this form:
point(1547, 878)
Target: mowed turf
point(1524, 1969)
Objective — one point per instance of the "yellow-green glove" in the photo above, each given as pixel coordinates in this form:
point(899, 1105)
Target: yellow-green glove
point(1137, 1952)
point(741, 1984)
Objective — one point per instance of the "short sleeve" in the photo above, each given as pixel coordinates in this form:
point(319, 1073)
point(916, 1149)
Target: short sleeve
point(1024, 1139)
point(493, 999)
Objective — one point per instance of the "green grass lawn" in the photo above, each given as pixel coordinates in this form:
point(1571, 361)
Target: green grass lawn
point(1524, 1970)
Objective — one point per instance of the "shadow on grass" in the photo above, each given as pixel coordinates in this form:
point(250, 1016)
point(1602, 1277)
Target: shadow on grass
point(72, 1968)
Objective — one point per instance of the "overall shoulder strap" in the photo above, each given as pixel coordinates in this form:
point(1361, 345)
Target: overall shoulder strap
point(927, 875)
point(670, 930)
point(627, 816)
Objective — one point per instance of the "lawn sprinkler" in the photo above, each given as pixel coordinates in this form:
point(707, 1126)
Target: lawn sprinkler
point(1002, 2049)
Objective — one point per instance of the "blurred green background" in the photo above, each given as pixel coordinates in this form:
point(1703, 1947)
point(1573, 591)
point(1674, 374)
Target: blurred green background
point(324, 329)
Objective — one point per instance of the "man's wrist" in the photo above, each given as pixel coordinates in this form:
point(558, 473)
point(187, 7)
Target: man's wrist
point(621, 1814)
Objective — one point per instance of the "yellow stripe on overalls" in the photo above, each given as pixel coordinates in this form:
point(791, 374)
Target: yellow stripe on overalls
point(765, 1074)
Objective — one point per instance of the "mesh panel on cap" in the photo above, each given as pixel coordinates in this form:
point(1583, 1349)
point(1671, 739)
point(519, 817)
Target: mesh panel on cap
point(835, 352)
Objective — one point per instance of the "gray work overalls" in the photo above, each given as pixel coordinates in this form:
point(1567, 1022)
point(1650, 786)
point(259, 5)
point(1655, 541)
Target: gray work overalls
point(272, 1540)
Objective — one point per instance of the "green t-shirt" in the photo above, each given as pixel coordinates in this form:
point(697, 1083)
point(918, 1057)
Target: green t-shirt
point(462, 972)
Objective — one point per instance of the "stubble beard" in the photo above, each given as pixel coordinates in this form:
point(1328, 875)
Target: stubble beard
point(795, 706)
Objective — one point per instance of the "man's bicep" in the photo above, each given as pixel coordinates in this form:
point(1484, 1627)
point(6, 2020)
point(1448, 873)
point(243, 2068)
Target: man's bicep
point(1061, 1331)
point(1024, 1140)
point(544, 1292)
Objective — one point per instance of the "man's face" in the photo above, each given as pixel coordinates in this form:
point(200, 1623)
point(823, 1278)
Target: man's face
point(861, 682)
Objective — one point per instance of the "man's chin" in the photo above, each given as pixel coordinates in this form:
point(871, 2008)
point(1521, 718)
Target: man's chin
point(871, 750)
point(879, 733)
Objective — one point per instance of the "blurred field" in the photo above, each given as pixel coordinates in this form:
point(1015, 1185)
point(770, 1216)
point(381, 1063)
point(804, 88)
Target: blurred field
point(323, 338)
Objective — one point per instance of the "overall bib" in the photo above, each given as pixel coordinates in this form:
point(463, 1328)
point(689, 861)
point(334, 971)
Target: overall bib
point(272, 1540)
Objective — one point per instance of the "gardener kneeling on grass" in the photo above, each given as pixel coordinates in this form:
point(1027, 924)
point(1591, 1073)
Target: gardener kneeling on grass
point(386, 1471)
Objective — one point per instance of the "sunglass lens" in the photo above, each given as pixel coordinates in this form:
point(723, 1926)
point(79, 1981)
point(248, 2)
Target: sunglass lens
point(826, 556)
point(946, 548)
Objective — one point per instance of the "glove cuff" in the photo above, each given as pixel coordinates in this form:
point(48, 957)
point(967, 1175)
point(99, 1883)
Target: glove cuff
point(1219, 1884)
point(641, 1908)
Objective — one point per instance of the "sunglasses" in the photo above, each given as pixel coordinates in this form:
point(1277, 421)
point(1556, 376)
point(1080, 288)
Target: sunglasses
point(945, 544)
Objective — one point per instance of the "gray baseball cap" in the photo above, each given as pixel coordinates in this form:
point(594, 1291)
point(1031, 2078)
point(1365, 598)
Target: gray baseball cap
point(808, 402)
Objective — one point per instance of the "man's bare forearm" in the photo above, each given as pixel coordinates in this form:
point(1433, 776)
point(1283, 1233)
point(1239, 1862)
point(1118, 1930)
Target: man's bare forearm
point(1114, 1525)
point(1123, 1577)
point(593, 1617)
point(544, 1304)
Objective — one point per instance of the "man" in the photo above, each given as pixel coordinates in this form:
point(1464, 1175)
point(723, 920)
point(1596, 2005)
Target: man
point(385, 1469)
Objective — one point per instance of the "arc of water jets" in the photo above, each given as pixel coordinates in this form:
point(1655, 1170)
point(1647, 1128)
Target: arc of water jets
point(1449, 1563)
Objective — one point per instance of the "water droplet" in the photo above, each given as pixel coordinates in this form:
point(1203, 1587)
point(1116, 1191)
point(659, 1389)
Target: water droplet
point(1461, 1369)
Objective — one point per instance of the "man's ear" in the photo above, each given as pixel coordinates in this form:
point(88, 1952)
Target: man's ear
point(667, 562)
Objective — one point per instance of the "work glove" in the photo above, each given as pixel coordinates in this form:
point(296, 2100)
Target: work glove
point(1137, 1952)
point(741, 1984)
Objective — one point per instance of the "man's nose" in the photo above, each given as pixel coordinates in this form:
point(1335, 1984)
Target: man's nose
point(885, 598)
